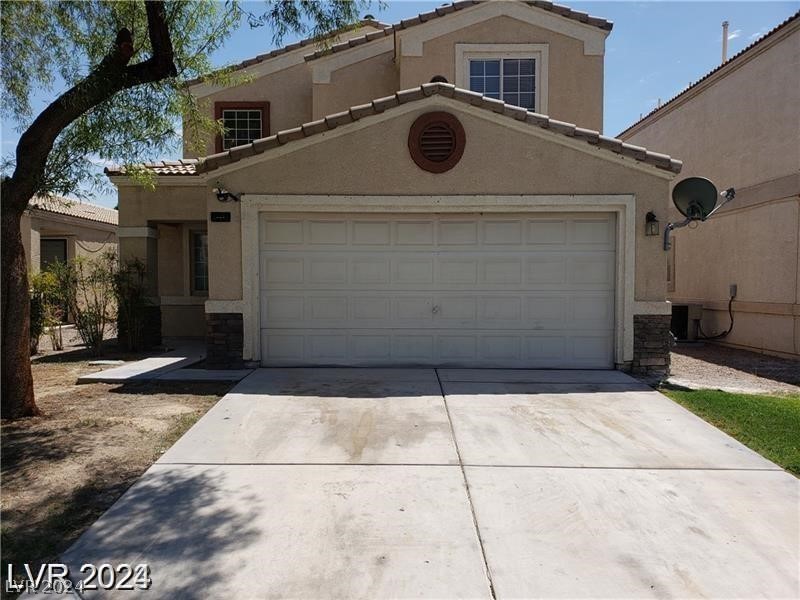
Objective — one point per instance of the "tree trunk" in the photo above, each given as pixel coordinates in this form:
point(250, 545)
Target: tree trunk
point(112, 75)
point(17, 381)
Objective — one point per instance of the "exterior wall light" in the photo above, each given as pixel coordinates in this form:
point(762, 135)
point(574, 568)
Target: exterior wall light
point(224, 195)
point(651, 224)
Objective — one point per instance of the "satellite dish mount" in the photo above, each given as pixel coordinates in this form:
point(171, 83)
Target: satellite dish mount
point(697, 199)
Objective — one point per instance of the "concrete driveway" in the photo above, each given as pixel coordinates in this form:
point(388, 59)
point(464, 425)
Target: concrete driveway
point(380, 483)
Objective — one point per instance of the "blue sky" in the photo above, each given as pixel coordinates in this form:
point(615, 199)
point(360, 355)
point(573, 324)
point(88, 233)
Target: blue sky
point(655, 50)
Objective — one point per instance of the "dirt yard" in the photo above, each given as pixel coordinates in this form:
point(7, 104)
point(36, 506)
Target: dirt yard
point(62, 470)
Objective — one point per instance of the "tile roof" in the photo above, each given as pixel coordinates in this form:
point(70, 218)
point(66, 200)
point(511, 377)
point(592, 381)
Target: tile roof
point(293, 46)
point(75, 208)
point(594, 138)
point(447, 9)
point(183, 166)
point(691, 86)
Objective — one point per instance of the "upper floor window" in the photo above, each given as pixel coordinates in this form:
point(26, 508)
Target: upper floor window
point(244, 122)
point(241, 127)
point(511, 80)
point(514, 73)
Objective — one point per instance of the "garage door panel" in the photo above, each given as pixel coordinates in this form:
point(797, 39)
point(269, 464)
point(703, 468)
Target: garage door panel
point(281, 232)
point(596, 271)
point(592, 232)
point(502, 233)
point(458, 270)
point(415, 271)
point(458, 232)
point(455, 290)
point(328, 233)
point(340, 309)
point(371, 233)
point(470, 348)
point(414, 233)
point(547, 232)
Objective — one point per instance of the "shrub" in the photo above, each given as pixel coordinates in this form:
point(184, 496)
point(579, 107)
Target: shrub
point(87, 286)
point(130, 291)
point(37, 319)
point(47, 309)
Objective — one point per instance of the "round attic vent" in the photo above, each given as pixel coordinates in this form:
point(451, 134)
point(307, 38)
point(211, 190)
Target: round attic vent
point(436, 141)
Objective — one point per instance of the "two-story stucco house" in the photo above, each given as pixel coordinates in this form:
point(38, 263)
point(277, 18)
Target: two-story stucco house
point(740, 126)
point(400, 198)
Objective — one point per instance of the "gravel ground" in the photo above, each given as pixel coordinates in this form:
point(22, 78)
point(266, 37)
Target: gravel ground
point(709, 366)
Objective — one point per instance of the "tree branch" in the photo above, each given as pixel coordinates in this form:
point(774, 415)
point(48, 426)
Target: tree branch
point(112, 75)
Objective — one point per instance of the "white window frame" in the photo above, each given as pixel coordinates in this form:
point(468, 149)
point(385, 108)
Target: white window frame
point(538, 52)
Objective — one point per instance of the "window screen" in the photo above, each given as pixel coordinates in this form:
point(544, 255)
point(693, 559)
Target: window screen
point(512, 80)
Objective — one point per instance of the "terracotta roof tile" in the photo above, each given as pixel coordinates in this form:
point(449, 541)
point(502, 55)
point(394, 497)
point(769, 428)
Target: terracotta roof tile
point(380, 105)
point(442, 11)
point(184, 166)
point(736, 56)
point(75, 208)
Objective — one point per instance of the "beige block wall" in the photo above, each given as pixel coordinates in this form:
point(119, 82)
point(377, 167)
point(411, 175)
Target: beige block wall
point(375, 161)
point(575, 80)
point(741, 129)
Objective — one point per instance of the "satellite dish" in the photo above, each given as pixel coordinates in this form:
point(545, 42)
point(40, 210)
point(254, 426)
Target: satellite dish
point(695, 198)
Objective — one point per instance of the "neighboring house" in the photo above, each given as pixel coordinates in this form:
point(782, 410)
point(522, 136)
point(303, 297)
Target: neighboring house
point(393, 221)
point(60, 229)
point(740, 127)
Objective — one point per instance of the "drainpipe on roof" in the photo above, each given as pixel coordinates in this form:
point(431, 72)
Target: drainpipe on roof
point(724, 41)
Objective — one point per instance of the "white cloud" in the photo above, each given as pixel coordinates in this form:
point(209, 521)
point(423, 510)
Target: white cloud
point(734, 34)
point(757, 34)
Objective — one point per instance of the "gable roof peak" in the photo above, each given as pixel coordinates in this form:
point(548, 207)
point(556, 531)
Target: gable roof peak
point(453, 7)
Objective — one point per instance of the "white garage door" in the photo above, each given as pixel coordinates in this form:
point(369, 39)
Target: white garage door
point(457, 290)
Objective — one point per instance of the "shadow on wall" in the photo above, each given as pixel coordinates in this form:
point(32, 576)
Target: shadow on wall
point(172, 516)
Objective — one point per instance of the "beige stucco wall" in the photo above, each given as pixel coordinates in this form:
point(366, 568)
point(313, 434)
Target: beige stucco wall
point(288, 92)
point(741, 129)
point(169, 213)
point(374, 160)
point(170, 201)
point(355, 84)
point(85, 238)
point(575, 80)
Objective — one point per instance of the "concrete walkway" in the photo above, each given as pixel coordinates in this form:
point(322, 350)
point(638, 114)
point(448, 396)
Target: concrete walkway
point(169, 366)
point(357, 483)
